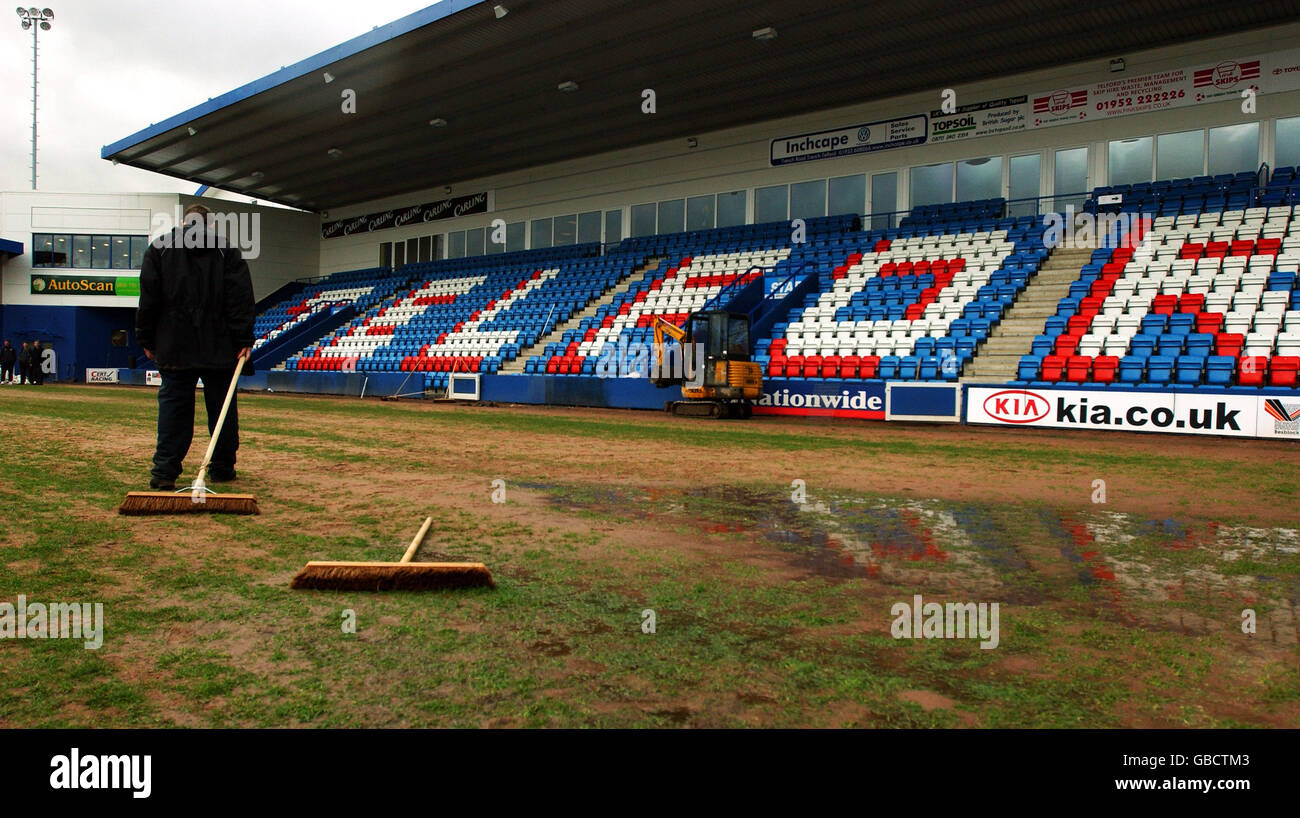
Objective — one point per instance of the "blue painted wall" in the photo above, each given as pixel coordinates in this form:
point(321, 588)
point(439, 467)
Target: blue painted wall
point(81, 336)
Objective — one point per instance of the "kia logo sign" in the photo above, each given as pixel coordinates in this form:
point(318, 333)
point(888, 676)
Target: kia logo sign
point(1016, 406)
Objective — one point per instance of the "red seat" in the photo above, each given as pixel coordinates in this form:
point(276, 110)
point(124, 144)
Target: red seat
point(1065, 345)
point(812, 366)
point(553, 365)
point(1078, 324)
point(1268, 247)
point(1164, 304)
point(1229, 343)
point(1209, 322)
point(1191, 302)
point(1077, 368)
point(1284, 370)
point(849, 366)
point(1191, 251)
point(831, 366)
point(794, 366)
point(1243, 247)
point(868, 366)
point(1251, 370)
point(776, 367)
point(1053, 367)
point(1103, 368)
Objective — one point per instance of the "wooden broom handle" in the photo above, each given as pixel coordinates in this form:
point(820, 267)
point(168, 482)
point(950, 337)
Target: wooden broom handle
point(221, 419)
point(419, 538)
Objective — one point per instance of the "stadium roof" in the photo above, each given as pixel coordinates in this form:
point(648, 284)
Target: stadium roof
point(11, 248)
point(284, 138)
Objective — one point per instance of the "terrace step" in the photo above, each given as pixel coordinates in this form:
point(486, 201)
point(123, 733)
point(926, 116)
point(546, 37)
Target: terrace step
point(999, 355)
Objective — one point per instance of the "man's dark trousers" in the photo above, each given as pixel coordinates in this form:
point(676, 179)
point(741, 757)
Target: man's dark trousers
point(176, 419)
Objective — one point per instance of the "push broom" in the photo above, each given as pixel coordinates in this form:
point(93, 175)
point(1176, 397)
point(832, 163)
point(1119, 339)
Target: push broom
point(198, 497)
point(394, 576)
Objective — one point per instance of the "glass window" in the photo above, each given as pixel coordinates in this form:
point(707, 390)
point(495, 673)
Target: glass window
point(61, 255)
point(1070, 177)
point(672, 216)
point(456, 244)
point(566, 230)
point(386, 254)
point(1023, 184)
point(121, 252)
point(1234, 148)
point(42, 246)
point(589, 227)
point(884, 200)
point(101, 256)
point(932, 184)
point(516, 233)
point(731, 208)
point(426, 248)
point(399, 253)
point(808, 199)
point(847, 195)
point(139, 244)
point(81, 251)
point(1287, 154)
point(771, 204)
point(700, 212)
point(979, 178)
point(613, 226)
point(1129, 160)
point(494, 247)
point(474, 241)
point(542, 233)
point(1180, 155)
point(643, 219)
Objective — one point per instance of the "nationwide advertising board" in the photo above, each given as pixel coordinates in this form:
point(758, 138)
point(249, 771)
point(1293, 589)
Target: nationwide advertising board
point(840, 399)
point(1192, 413)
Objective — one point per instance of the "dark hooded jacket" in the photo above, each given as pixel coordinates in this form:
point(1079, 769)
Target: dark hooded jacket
point(8, 355)
point(196, 301)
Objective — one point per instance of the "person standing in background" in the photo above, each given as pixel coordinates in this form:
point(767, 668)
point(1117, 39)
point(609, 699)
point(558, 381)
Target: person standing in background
point(8, 357)
point(23, 355)
point(34, 364)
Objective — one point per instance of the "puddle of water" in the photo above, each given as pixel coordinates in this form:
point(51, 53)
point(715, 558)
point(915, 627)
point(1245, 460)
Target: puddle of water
point(1189, 575)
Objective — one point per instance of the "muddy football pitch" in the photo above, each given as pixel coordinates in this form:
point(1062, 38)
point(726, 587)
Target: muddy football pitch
point(651, 571)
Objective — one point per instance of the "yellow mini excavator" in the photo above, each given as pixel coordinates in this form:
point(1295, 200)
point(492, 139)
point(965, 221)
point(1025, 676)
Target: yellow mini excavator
point(712, 365)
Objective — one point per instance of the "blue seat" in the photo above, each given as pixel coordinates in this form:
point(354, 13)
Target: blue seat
point(1170, 345)
point(929, 369)
point(1200, 343)
point(1142, 346)
point(908, 365)
point(1159, 369)
point(1132, 369)
point(888, 367)
point(1029, 367)
point(1219, 369)
point(1190, 369)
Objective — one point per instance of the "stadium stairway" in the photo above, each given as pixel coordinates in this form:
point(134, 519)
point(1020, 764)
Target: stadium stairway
point(1000, 354)
point(516, 367)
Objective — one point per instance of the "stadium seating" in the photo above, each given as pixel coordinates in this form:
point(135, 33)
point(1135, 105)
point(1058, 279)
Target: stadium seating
point(911, 303)
point(1198, 296)
point(360, 287)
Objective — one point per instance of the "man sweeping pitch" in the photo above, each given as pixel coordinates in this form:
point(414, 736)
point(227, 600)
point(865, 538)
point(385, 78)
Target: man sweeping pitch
point(195, 320)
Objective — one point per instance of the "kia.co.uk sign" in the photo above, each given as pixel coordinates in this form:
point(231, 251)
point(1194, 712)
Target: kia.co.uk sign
point(1174, 412)
point(101, 376)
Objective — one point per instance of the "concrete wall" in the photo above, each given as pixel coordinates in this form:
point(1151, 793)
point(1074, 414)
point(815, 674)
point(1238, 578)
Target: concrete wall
point(737, 158)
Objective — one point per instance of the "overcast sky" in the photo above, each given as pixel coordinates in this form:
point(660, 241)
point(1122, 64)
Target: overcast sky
point(110, 68)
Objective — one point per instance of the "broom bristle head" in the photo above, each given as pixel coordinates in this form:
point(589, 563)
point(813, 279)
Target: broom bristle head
point(165, 502)
point(392, 576)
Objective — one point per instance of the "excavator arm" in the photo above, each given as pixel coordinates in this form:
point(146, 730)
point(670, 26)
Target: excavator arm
point(663, 328)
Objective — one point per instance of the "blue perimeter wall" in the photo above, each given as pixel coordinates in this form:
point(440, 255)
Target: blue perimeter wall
point(81, 336)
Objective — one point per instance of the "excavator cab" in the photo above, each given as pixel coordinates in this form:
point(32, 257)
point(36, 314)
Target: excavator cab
point(717, 377)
